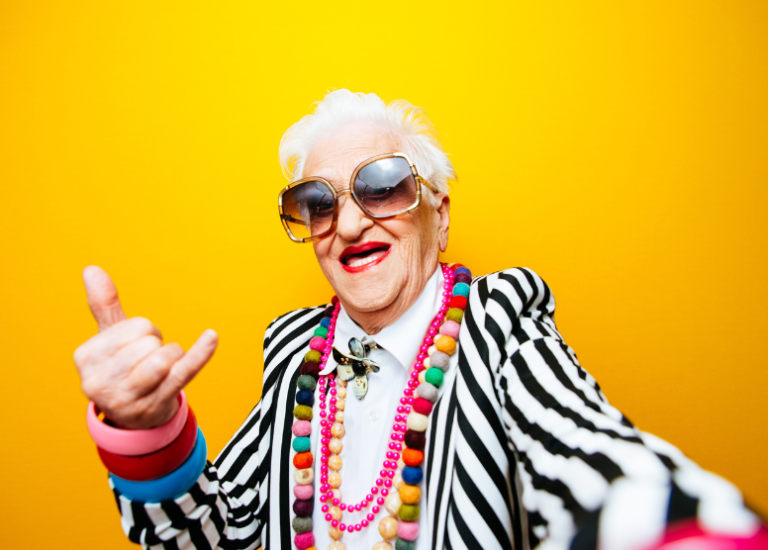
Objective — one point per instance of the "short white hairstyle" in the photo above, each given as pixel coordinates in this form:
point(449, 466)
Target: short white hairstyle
point(340, 107)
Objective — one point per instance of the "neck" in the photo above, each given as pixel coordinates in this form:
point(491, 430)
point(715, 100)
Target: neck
point(372, 322)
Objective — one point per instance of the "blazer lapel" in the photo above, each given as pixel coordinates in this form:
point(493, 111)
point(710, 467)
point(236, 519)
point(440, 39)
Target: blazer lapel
point(440, 455)
point(280, 493)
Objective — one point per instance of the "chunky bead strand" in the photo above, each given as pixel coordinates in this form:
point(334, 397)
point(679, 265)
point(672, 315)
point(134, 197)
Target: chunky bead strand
point(396, 489)
point(430, 374)
point(309, 379)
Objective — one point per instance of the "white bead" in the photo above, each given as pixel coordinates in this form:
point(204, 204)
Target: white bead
point(393, 503)
point(398, 481)
point(334, 462)
point(400, 463)
point(335, 533)
point(340, 404)
point(341, 392)
point(340, 416)
point(388, 528)
point(337, 545)
point(336, 513)
point(335, 445)
point(427, 363)
point(334, 480)
point(382, 545)
point(417, 422)
point(304, 476)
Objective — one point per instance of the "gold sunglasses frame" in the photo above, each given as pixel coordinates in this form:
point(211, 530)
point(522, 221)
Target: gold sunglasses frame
point(350, 191)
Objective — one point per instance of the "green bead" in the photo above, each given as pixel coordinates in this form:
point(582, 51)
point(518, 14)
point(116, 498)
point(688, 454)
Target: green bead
point(302, 525)
point(313, 356)
point(302, 412)
point(434, 376)
point(306, 382)
point(301, 444)
point(455, 314)
point(409, 512)
point(321, 332)
point(401, 544)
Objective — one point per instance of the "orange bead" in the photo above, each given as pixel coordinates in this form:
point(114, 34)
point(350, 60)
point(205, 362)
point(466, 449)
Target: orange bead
point(302, 460)
point(410, 494)
point(412, 457)
point(446, 344)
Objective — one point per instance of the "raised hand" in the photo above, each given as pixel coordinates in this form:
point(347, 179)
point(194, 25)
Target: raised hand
point(126, 369)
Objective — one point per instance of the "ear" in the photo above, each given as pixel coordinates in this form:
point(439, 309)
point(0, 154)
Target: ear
point(444, 220)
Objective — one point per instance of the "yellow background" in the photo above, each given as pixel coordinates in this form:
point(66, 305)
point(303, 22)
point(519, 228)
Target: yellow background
point(617, 148)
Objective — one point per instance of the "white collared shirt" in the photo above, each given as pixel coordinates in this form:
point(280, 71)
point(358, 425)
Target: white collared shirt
point(368, 422)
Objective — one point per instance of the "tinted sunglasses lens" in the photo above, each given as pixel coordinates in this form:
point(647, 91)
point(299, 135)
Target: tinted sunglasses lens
point(307, 209)
point(386, 187)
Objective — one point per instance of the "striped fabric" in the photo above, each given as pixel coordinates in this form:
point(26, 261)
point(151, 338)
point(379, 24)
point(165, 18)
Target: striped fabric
point(524, 451)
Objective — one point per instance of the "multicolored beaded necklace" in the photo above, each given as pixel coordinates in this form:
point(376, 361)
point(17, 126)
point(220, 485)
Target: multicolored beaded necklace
point(397, 487)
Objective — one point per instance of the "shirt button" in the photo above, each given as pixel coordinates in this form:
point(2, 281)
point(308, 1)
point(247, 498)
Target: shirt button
point(374, 415)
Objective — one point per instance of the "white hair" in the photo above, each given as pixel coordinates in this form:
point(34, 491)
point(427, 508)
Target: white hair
point(340, 107)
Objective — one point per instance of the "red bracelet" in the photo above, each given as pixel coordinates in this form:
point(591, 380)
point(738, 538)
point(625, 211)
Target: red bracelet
point(157, 464)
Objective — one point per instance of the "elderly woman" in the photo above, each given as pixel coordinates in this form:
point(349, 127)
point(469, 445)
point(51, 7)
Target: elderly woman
point(420, 408)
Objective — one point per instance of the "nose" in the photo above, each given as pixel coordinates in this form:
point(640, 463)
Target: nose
point(351, 223)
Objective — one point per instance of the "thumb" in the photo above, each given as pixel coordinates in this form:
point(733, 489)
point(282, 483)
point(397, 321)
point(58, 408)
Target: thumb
point(102, 297)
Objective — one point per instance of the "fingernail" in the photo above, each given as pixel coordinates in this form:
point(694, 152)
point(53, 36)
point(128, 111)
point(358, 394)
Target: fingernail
point(210, 334)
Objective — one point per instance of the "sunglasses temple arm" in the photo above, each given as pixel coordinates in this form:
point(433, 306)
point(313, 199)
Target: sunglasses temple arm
point(428, 185)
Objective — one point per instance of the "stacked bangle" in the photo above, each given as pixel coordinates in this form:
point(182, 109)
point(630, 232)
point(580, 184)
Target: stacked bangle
point(136, 442)
point(157, 464)
point(152, 465)
point(167, 487)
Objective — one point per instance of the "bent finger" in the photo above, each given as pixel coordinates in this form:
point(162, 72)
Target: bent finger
point(97, 350)
point(185, 369)
point(102, 297)
point(122, 363)
point(154, 368)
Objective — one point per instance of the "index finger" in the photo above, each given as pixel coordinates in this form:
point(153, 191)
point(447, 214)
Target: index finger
point(102, 297)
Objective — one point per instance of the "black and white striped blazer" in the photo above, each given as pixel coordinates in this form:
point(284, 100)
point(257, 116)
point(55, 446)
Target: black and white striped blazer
point(523, 451)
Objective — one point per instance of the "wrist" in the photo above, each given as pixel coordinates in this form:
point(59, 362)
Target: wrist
point(158, 464)
point(137, 442)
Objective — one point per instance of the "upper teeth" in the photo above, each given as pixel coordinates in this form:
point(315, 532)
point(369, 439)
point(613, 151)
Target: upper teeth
point(363, 261)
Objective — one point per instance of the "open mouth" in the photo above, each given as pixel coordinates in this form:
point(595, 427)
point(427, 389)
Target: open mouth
point(365, 256)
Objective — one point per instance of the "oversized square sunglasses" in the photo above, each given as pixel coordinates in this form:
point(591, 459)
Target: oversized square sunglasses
point(383, 187)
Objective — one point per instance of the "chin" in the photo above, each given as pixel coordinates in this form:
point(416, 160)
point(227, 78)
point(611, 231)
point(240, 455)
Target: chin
point(366, 292)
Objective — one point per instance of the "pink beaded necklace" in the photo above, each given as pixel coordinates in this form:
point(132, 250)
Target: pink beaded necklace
point(397, 485)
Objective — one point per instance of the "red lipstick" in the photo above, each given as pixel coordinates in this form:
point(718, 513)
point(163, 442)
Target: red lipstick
point(353, 254)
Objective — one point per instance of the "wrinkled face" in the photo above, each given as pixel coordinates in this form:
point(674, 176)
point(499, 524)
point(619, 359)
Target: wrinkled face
point(374, 264)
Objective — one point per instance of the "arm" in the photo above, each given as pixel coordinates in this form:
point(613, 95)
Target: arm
point(588, 475)
point(222, 510)
point(227, 506)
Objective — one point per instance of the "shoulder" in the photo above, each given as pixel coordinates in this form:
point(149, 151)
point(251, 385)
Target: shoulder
point(286, 336)
point(292, 325)
point(515, 292)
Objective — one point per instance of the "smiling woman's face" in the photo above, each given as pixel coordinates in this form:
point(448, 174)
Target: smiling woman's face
point(376, 267)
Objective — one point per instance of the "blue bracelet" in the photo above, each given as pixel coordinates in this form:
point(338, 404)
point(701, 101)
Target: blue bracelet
point(171, 486)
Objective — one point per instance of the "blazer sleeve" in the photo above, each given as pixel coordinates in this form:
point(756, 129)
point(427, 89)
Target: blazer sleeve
point(589, 477)
point(226, 507)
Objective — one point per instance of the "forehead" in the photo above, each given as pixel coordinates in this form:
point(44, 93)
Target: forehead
point(336, 154)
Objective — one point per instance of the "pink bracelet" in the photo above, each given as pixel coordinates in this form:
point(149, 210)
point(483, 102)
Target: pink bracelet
point(136, 442)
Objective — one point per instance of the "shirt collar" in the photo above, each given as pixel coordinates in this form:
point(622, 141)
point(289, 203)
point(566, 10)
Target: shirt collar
point(403, 337)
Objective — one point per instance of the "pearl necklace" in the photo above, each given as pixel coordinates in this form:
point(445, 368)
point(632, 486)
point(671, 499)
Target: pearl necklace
point(397, 486)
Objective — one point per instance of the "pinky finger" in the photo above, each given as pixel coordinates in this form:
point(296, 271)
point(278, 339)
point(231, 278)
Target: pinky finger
point(185, 369)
